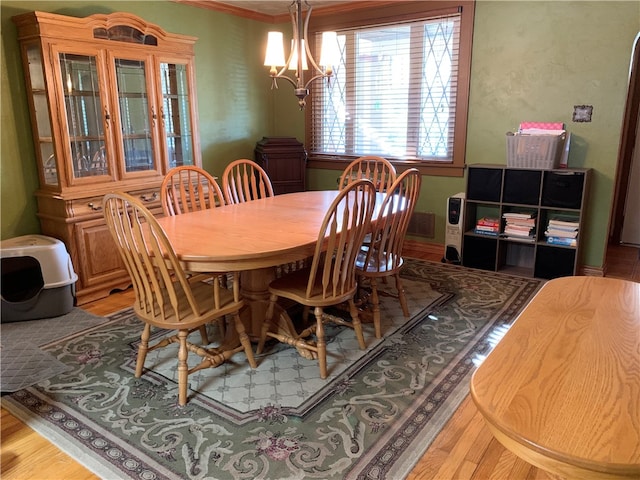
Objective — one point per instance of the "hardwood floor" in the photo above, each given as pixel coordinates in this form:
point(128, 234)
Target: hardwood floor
point(623, 262)
point(464, 449)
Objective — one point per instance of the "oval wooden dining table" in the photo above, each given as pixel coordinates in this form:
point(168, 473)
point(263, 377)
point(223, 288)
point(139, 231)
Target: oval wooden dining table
point(562, 388)
point(251, 238)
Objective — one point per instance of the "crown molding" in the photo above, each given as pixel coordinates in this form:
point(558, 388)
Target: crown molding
point(232, 10)
point(261, 17)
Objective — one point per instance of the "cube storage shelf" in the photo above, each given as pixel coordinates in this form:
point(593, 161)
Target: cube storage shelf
point(493, 190)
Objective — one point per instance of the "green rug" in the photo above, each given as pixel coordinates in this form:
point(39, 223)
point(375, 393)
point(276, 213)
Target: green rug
point(373, 418)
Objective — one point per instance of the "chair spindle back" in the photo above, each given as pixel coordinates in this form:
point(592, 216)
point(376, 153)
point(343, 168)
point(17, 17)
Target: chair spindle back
point(189, 188)
point(341, 234)
point(377, 169)
point(244, 180)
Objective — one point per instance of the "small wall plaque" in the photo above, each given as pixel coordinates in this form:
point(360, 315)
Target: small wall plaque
point(582, 113)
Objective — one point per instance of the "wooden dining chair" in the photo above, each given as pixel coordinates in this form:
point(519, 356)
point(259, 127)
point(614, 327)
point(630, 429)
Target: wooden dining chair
point(372, 167)
point(377, 169)
point(189, 188)
point(330, 278)
point(244, 180)
point(164, 296)
point(383, 257)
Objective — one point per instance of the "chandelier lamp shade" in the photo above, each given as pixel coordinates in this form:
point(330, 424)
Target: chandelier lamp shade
point(275, 59)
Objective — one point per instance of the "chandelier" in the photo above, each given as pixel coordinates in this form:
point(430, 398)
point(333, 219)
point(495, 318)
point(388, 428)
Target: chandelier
point(274, 57)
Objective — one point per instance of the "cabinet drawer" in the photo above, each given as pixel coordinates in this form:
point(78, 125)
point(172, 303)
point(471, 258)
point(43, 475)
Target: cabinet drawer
point(92, 206)
point(150, 198)
point(83, 207)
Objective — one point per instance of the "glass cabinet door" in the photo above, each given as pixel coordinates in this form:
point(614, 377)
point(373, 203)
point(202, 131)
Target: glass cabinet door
point(137, 116)
point(176, 114)
point(119, 108)
point(41, 117)
point(84, 114)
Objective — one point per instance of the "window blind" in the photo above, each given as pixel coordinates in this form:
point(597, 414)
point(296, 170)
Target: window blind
point(393, 93)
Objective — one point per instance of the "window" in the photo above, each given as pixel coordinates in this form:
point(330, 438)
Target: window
point(400, 91)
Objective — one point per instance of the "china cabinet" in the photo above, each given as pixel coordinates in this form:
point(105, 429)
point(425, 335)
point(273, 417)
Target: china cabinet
point(113, 107)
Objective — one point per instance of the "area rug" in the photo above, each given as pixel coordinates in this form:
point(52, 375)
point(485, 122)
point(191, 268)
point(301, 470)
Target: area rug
point(23, 361)
point(373, 418)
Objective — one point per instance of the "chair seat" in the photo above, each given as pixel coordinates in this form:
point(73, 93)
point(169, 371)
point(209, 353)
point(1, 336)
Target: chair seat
point(203, 294)
point(378, 265)
point(294, 287)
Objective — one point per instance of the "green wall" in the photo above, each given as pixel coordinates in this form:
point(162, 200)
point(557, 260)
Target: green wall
point(531, 61)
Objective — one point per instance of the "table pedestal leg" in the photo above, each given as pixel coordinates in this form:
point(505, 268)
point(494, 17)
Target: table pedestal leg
point(254, 287)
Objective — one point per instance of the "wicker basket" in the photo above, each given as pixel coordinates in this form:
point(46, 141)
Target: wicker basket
point(534, 151)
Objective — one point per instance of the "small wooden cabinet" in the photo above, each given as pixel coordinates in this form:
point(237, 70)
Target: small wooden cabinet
point(493, 191)
point(285, 160)
point(113, 108)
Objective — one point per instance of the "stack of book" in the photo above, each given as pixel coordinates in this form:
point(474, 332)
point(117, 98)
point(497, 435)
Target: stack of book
point(488, 226)
point(562, 230)
point(520, 225)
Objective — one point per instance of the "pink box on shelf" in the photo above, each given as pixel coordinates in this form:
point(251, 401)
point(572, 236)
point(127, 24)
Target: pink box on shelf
point(542, 125)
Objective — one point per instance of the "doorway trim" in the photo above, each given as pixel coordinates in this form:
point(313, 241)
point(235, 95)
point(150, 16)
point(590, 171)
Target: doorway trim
point(627, 144)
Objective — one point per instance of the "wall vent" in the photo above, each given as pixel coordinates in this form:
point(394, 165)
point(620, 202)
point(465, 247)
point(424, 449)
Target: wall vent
point(422, 224)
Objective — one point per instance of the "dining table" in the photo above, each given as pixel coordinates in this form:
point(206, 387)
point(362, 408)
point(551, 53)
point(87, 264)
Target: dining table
point(252, 238)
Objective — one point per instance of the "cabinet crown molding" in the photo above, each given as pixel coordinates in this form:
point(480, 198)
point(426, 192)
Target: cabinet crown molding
point(39, 24)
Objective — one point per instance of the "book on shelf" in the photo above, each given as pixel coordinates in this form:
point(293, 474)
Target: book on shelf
point(520, 238)
point(488, 222)
point(517, 231)
point(566, 221)
point(553, 232)
point(561, 228)
point(564, 224)
point(520, 225)
point(523, 222)
point(569, 242)
point(487, 228)
point(493, 233)
point(519, 215)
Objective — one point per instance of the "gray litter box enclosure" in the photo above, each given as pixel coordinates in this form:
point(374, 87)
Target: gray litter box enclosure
point(38, 280)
